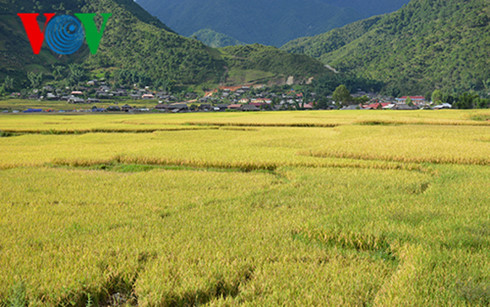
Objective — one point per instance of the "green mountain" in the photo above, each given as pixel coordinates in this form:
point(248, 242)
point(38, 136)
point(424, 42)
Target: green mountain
point(263, 62)
point(321, 45)
point(215, 39)
point(136, 42)
point(425, 45)
point(135, 48)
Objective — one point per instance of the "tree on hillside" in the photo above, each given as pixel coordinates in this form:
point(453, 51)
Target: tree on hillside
point(57, 72)
point(409, 102)
point(341, 95)
point(466, 101)
point(163, 84)
point(35, 79)
point(8, 84)
point(76, 74)
point(486, 85)
point(437, 97)
point(362, 99)
point(470, 101)
point(482, 103)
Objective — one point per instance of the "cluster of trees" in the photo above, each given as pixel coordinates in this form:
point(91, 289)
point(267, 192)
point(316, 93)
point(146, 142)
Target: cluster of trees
point(462, 101)
point(348, 83)
point(466, 100)
point(327, 83)
point(343, 97)
point(75, 74)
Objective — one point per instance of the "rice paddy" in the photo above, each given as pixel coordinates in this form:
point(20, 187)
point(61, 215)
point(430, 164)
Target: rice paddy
point(361, 208)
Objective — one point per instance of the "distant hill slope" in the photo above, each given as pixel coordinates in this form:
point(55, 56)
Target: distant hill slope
point(215, 39)
point(320, 45)
point(269, 22)
point(136, 42)
point(133, 41)
point(269, 59)
point(425, 45)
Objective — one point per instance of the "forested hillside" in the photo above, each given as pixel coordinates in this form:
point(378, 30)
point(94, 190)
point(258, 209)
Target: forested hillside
point(215, 39)
point(425, 45)
point(132, 41)
point(135, 48)
point(320, 45)
point(269, 59)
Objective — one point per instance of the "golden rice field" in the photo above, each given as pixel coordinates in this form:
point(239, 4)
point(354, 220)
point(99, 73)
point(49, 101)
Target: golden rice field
point(324, 208)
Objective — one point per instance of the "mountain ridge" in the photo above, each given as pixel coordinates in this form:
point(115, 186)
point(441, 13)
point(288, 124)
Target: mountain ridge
point(215, 39)
point(136, 46)
point(427, 44)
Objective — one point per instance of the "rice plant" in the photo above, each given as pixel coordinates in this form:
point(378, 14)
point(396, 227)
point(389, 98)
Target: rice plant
point(140, 210)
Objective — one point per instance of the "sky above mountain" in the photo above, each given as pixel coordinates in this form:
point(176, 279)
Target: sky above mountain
point(270, 22)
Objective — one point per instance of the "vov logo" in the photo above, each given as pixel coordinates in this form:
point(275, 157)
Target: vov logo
point(64, 34)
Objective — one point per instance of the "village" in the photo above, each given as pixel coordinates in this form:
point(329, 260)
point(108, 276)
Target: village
point(97, 97)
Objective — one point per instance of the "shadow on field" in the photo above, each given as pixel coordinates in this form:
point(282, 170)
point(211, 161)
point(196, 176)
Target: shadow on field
point(376, 246)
